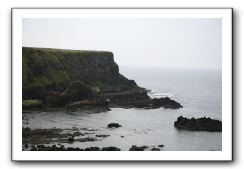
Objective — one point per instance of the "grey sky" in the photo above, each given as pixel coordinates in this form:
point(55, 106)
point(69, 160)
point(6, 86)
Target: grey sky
point(166, 43)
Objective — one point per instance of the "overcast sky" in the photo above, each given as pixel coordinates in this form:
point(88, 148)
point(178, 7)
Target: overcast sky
point(166, 43)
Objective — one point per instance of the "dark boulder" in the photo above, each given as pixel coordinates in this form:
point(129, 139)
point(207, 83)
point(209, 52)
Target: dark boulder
point(86, 139)
point(102, 135)
point(114, 125)
point(71, 139)
point(155, 149)
point(92, 149)
point(111, 148)
point(135, 148)
point(73, 149)
point(200, 124)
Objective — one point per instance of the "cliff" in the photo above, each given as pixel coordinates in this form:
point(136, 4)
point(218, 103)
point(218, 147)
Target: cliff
point(47, 70)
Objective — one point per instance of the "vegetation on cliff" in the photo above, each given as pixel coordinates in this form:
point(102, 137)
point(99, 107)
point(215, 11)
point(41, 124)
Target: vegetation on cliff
point(45, 70)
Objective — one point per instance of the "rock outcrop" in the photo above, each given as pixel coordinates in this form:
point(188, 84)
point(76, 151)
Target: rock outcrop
point(200, 124)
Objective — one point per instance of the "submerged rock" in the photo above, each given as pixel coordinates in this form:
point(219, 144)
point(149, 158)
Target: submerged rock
point(155, 149)
point(200, 124)
point(114, 125)
point(103, 135)
point(86, 139)
point(71, 139)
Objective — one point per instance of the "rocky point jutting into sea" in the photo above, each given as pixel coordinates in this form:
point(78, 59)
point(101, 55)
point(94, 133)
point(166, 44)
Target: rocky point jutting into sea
point(86, 80)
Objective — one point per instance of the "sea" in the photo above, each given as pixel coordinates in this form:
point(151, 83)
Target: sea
point(199, 91)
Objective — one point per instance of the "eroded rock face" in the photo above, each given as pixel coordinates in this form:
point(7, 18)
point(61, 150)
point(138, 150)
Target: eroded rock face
point(200, 124)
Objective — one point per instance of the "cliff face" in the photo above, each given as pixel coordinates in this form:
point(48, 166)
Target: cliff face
point(45, 70)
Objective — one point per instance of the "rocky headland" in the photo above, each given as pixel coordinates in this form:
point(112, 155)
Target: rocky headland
point(80, 80)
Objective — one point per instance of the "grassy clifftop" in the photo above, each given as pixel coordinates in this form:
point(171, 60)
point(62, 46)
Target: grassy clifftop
point(45, 69)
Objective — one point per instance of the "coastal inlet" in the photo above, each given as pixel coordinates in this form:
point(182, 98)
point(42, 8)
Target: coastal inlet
point(78, 100)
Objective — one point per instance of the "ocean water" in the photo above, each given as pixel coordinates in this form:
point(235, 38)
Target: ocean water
point(199, 91)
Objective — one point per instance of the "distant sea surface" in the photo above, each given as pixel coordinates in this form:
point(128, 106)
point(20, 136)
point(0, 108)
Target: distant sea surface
point(199, 91)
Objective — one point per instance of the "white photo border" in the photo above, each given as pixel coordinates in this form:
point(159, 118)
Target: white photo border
point(16, 50)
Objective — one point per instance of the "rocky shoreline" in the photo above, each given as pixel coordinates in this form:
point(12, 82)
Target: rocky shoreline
point(41, 147)
point(57, 139)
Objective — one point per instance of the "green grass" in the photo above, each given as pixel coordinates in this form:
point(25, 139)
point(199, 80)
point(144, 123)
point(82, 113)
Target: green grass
point(32, 102)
